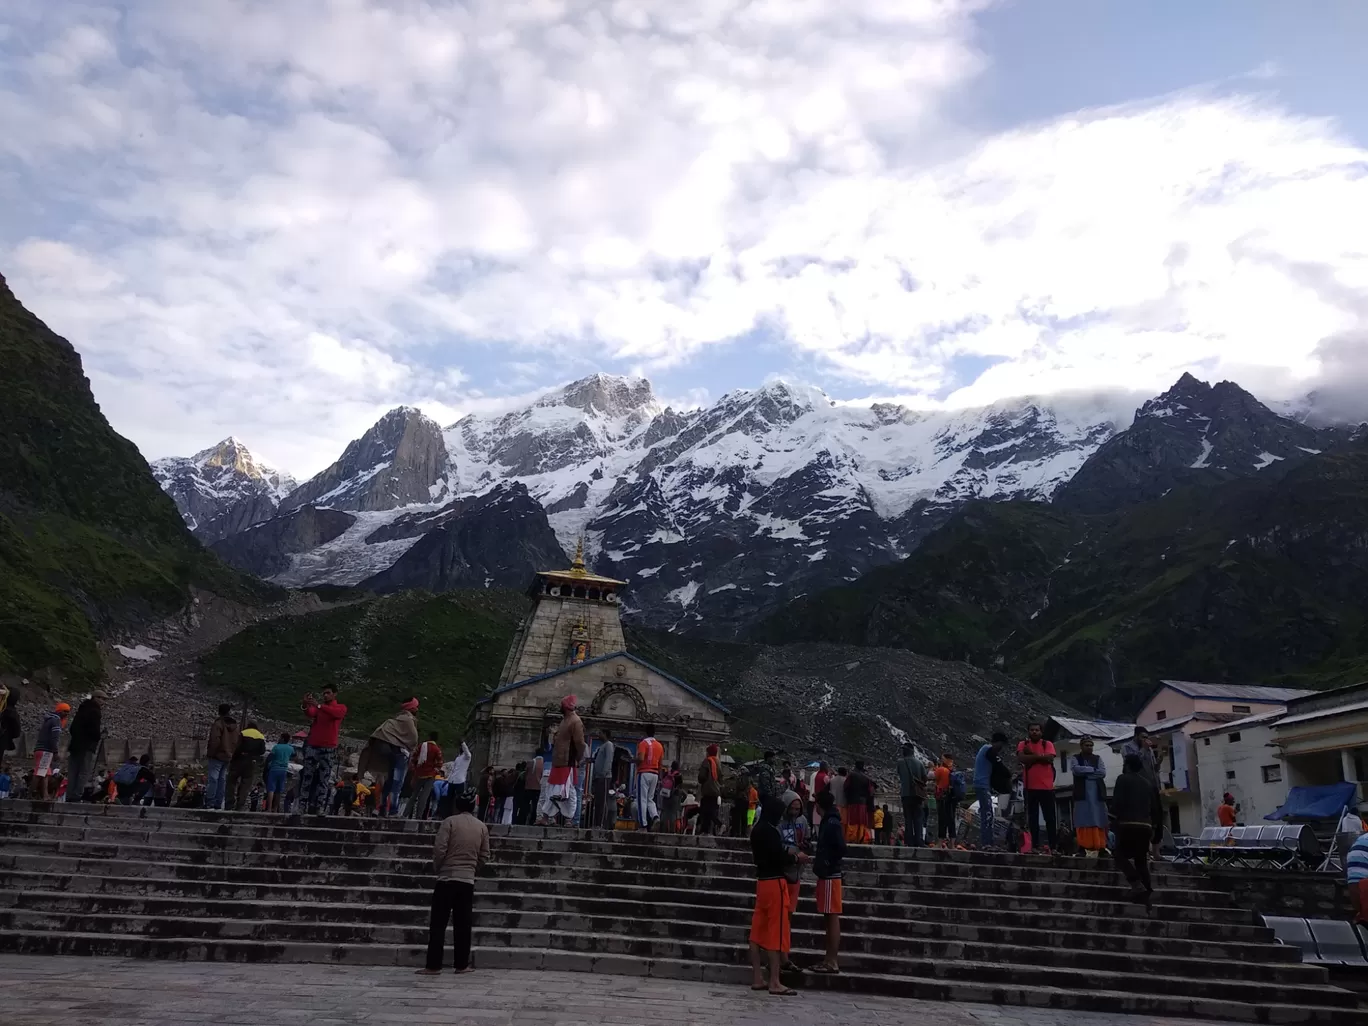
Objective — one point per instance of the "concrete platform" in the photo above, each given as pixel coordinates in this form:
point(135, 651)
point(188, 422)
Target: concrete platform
point(47, 991)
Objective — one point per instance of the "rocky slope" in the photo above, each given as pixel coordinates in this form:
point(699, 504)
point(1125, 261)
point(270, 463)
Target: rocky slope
point(91, 548)
point(498, 539)
point(398, 462)
point(222, 490)
point(1256, 580)
point(265, 549)
point(1193, 434)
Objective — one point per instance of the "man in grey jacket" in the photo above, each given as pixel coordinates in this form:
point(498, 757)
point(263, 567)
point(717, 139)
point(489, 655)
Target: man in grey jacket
point(461, 848)
point(604, 816)
point(912, 783)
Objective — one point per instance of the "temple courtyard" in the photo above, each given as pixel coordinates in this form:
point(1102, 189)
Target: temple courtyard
point(41, 990)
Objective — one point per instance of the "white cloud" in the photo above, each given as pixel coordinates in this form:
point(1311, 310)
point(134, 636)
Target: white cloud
point(278, 219)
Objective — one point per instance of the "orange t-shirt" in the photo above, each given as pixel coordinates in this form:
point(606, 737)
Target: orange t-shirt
point(1040, 776)
point(942, 775)
point(1225, 815)
point(650, 752)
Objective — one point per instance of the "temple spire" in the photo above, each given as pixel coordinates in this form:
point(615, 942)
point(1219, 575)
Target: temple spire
point(577, 564)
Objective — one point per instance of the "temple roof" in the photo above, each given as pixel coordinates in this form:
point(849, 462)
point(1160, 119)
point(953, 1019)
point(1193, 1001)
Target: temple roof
point(578, 573)
point(573, 667)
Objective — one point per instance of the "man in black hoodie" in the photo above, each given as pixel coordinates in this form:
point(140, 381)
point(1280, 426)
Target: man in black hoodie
point(85, 730)
point(831, 849)
point(770, 921)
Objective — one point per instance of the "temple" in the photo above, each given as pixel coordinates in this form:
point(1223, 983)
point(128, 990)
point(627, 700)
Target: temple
point(571, 642)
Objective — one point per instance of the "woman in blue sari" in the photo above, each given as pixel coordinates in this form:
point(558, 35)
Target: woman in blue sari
point(1090, 798)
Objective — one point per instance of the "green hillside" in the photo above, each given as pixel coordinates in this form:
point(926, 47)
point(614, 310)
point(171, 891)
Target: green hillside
point(1259, 580)
point(89, 544)
point(445, 649)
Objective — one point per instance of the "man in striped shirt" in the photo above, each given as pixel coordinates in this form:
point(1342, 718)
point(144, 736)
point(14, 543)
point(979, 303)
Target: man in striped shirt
point(1356, 872)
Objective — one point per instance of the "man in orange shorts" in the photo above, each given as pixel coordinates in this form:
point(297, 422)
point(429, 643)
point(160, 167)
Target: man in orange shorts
point(831, 849)
point(770, 922)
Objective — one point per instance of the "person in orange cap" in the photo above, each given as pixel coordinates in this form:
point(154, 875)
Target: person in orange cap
point(45, 748)
point(560, 802)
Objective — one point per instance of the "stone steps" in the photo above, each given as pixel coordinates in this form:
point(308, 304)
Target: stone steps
point(931, 924)
point(523, 912)
point(649, 938)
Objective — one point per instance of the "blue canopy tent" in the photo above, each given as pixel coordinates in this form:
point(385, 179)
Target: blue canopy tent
point(1324, 801)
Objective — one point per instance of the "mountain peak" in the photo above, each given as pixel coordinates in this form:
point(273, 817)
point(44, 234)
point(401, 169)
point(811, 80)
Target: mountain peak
point(610, 394)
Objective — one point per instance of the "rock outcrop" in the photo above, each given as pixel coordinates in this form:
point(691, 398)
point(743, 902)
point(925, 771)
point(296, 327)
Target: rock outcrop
point(400, 461)
point(265, 550)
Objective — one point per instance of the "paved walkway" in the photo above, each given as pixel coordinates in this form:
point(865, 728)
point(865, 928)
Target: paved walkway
point(57, 991)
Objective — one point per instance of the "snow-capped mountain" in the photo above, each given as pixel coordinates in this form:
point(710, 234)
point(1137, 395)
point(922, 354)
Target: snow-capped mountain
point(222, 490)
point(719, 515)
point(1195, 433)
point(400, 461)
point(716, 514)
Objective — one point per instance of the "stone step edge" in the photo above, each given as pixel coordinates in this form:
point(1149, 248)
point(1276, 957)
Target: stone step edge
point(882, 924)
point(911, 885)
point(624, 837)
point(1061, 906)
point(1013, 954)
point(550, 959)
point(178, 854)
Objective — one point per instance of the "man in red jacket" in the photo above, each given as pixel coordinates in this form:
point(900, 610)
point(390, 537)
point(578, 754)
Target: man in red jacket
point(320, 747)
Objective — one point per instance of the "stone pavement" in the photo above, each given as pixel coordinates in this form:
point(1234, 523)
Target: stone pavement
point(39, 990)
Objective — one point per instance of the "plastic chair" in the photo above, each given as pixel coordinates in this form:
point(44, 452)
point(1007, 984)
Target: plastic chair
point(1295, 933)
point(1337, 942)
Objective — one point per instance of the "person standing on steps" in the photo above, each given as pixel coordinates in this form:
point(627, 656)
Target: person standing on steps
point(223, 739)
point(457, 773)
point(709, 792)
point(277, 773)
point(793, 828)
point(764, 775)
point(770, 934)
point(561, 801)
point(671, 794)
point(320, 749)
point(650, 753)
point(912, 784)
point(245, 767)
point(86, 730)
point(831, 849)
point(989, 774)
point(1089, 799)
point(603, 816)
point(461, 848)
point(531, 793)
point(45, 747)
point(1141, 745)
point(1136, 804)
point(1037, 758)
point(427, 764)
point(859, 796)
point(386, 756)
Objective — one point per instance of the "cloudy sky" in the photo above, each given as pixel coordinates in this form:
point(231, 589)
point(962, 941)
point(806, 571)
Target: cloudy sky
point(277, 219)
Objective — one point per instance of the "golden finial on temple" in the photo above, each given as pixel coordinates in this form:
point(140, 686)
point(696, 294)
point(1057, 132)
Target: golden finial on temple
point(577, 565)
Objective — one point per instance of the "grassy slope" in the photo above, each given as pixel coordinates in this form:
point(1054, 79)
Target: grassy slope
point(446, 649)
point(88, 541)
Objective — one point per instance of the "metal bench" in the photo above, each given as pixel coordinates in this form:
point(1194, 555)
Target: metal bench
point(1322, 941)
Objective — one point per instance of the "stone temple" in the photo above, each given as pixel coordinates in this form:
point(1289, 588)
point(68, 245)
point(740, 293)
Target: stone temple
point(571, 642)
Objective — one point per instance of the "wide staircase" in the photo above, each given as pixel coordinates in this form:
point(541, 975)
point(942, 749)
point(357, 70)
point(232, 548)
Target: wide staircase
point(166, 883)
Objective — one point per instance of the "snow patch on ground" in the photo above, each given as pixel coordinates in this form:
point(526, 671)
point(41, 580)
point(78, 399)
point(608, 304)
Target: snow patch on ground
point(1266, 459)
point(1201, 460)
point(139, 653)
point(684, 596)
